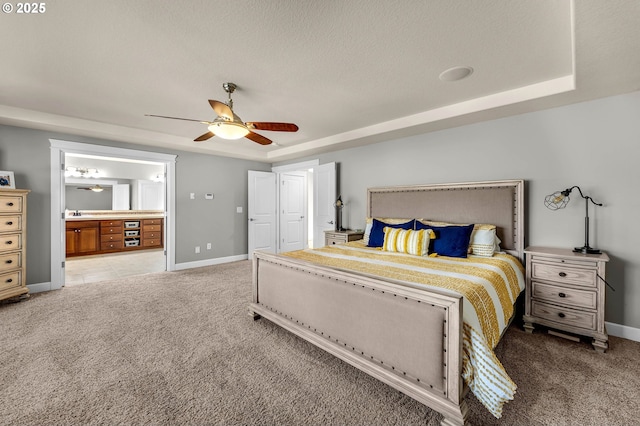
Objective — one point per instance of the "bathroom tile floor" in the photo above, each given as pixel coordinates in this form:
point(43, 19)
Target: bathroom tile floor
point(103, 267)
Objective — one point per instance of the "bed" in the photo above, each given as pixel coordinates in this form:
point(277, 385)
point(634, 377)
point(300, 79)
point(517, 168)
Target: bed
point(411, 337)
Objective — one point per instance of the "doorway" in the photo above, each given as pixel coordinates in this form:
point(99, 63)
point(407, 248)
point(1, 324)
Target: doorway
point(291, 207)
point(63, 155)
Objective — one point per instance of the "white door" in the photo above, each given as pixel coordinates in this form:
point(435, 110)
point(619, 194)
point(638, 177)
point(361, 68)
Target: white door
point(120, 197)
point(262, 212)
point(293, 211)
point(147, 195)
point(324, 195)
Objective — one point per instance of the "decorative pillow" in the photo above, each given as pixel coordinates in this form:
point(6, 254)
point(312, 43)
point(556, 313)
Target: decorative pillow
point(376, 237)
point(407, 241)
point(369, 225)
point(484, 241)
point(452, 241)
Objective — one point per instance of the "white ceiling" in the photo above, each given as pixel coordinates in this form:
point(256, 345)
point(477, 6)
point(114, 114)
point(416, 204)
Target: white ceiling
point(348, 73)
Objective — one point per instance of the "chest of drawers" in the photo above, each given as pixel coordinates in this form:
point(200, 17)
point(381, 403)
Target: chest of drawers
point(13, 242)
point(566, 291)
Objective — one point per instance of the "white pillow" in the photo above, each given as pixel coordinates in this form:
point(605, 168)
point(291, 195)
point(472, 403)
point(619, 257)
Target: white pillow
point(484, 241)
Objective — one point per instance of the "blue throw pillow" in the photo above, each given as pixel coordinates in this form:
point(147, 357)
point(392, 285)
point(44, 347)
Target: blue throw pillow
point(376, 238)
point(452, 241)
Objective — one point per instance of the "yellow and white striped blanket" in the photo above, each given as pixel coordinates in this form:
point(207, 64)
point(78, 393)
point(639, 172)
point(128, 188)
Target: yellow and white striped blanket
point(489, 286)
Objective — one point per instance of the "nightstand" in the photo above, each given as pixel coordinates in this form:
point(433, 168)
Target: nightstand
point(566, 291)
point(341, 237)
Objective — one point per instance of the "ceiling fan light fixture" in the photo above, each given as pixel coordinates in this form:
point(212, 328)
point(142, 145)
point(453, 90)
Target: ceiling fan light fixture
point(228, 130)
point(97, 188)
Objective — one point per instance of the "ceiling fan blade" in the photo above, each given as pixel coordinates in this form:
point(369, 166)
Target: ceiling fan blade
point(177, 118)
point(276, 127)
point(258, 138)
point(204, 137)
point(221, 109)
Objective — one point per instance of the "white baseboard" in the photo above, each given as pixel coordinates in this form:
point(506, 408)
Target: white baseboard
point(623, 331)
point(210, 262)
point(39, 287)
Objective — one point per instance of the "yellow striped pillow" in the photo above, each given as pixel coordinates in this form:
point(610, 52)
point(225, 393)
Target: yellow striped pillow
point(407, 241)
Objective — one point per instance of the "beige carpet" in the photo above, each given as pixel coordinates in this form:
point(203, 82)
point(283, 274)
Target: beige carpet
point(179, 348)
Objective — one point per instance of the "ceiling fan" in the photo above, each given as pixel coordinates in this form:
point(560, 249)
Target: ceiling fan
point(229, 126)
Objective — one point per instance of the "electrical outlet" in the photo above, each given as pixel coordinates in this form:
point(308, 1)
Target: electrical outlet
point(197, 249)
point(192, 195)
point(208, 246)
point(238, 209)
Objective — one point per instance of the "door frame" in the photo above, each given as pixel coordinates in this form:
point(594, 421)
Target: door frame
point(59, 148)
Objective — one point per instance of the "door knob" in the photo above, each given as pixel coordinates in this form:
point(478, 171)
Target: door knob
point(330, 223)
point(251, 219)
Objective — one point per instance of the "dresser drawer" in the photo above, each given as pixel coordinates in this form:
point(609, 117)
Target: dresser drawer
point(10, 223)
point(152, 235)
point(152, 222)
point(152, 228)
point(10, 242)
point(10, 261)
point(564, 274)
point(111, 245)
point(10, 279)
point(10, 204)
point(565, 295)
point(564, 316)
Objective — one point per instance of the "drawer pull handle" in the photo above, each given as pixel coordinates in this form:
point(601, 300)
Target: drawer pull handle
point(562, 295)
point(9, 223)
point(9, 280)
point(561, 315)
point(10, 204)
point(562, 274)
point(9, 261)
point(9, 242)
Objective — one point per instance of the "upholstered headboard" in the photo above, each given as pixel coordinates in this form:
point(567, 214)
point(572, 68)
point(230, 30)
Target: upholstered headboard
point(499, 203)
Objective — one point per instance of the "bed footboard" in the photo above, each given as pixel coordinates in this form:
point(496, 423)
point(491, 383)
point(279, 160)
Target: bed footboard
point(408, 338)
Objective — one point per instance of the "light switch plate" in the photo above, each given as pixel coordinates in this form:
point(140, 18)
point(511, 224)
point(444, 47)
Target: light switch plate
point(238, 209)
point(208, 196)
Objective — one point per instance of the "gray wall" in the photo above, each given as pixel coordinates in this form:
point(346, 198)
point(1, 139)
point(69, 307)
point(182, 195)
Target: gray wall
point(593, 144)
point(26, 152)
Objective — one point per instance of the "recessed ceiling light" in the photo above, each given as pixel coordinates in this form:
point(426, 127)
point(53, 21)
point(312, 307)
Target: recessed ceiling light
point(456, 73)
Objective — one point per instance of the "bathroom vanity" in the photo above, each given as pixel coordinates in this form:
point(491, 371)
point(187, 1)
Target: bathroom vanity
point(95, 232)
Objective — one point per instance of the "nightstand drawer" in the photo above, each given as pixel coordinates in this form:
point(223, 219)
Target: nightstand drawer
point(565, 296)
point(335, 240)
point(567, 274)
point(565, 316)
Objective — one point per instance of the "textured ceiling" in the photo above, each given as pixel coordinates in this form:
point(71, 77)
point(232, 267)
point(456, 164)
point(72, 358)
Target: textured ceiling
point(347, 73)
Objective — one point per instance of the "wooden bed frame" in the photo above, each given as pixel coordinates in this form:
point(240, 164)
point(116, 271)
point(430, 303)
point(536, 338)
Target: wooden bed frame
point(408, 338)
